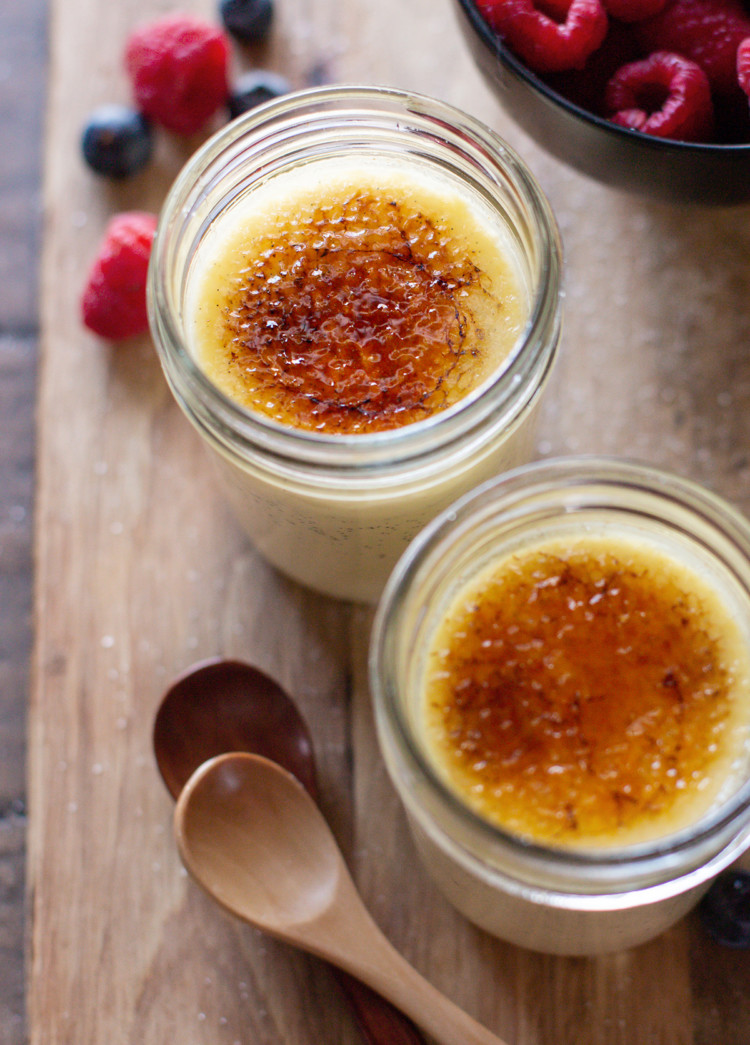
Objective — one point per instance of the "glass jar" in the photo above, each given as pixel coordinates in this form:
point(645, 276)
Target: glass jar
point(554, 898)
point(336, 511)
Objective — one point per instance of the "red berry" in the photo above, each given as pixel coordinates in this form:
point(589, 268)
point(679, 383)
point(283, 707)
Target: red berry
point(585, 87)
point(707, 32)
point(178, 68)
point(114, 299)
point(664, 95)
point(549, 35)
point(743, 65)
point(633, 10)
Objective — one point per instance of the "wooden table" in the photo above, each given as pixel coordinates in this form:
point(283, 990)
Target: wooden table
point(140, 570)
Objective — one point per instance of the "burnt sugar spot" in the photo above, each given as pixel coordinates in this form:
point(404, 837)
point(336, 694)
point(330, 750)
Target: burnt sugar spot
point(357, 318)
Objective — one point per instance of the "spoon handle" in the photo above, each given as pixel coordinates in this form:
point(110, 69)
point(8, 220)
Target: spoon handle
point(347, 935)
point(439, 1017)
point(377, 1020)
point(431, 1010)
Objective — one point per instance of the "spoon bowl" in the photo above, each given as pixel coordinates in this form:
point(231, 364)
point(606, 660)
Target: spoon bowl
point(253, 838)
point(220, 706)
point(231, 816)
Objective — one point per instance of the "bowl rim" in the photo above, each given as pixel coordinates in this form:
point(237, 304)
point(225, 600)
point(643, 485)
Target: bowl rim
point(494, 44)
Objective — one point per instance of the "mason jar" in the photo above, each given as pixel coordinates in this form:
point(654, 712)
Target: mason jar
point(565, 898)
point(335, 511)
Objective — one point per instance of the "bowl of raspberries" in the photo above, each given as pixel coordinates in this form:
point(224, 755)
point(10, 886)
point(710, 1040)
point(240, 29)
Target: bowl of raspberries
point(648, 96)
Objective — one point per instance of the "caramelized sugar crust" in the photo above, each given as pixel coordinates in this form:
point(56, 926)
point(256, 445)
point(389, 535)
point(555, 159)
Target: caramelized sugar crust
point(363, 314)
point(582, 697)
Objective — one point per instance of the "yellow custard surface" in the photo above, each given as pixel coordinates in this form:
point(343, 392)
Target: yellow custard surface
point(589, 692)
point(354, 296)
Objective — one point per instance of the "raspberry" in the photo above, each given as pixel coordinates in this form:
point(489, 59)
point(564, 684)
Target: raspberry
point(178, 69)
point(707, 32)
point(743, 65)
point(114, 299)
point(552, 36)
point(664, 95)
point(585, 87)
point(633, 10)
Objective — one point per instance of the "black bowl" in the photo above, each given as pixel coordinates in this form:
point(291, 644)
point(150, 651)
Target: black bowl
point(678, 172)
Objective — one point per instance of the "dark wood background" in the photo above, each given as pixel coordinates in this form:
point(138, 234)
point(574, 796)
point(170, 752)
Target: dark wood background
point(23, 49)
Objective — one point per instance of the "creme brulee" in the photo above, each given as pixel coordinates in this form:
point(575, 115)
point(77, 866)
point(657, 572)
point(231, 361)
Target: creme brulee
point(355, 294)
point(348, 297)
point(588, 691)
point(560, 672)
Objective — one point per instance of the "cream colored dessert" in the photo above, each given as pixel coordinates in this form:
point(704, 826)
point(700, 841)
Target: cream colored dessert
point(358, 297)
point(353, 297)
point(589, 692)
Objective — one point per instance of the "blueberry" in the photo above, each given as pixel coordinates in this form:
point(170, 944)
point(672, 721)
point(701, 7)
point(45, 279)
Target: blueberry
point(255, 87)
point(725, 909)
point(117, 141)
point(247, 20)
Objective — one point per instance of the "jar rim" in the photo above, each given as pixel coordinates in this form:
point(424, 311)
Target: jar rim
point(502, 397)
point(646, 862)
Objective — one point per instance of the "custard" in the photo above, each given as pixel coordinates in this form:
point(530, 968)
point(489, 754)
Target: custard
point(588, 692)
point(354, 297)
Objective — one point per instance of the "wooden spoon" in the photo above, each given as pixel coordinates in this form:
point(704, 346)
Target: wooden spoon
point(220, 706)
point(253, 838)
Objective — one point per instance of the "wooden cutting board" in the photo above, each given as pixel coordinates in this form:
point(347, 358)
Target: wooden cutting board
point(141, 571)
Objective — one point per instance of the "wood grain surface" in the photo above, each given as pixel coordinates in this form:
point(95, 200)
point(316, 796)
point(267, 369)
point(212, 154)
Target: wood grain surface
point(141, 571)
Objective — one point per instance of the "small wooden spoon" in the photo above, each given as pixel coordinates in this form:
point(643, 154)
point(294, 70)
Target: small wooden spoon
point(252, 837)
point(219, 706)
